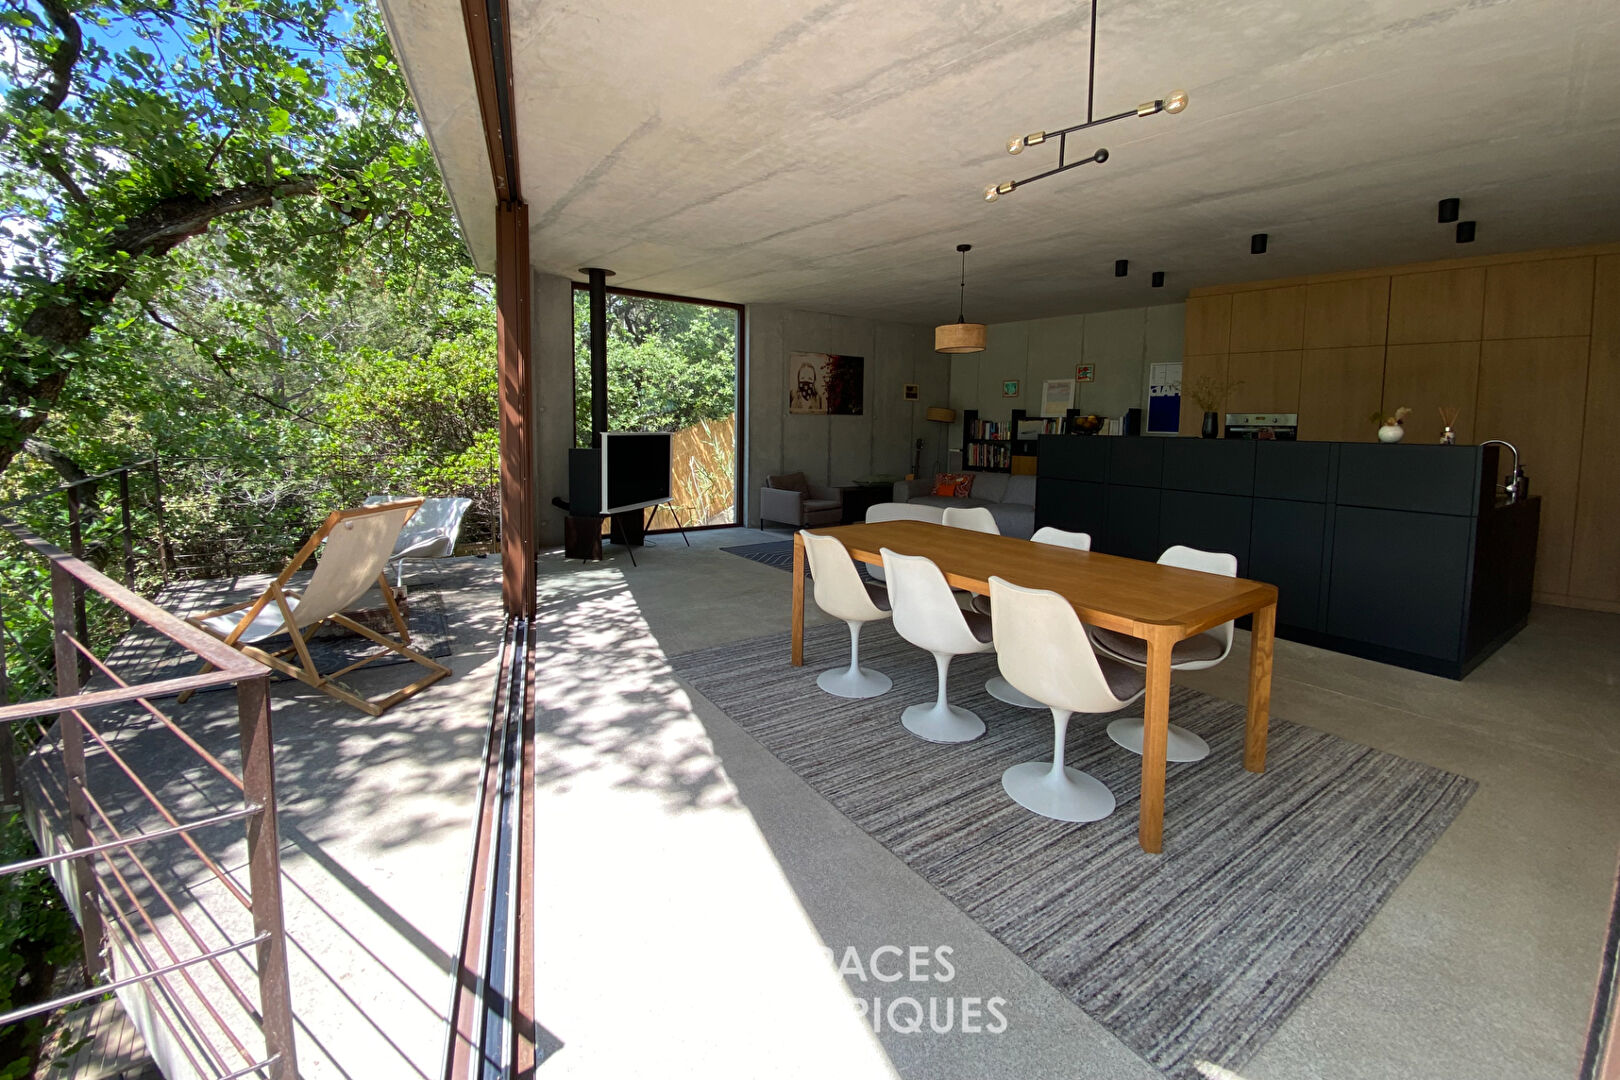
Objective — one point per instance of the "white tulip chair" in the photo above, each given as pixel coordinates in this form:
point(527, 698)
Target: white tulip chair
point(998, 687)
point(975, 518)
point(1043, 650)
point(840, 592)
point(927, 615)
point(895, 511)
point(1199, 651)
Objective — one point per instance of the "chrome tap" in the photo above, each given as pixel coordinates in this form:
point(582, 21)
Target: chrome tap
point(1517, 488)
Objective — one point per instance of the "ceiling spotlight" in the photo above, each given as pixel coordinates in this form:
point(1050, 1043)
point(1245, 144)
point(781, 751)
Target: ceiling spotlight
point(1450, 210)
point(1465, 232)
point(1257, 244)
point(1158, 279)
point(1172, 103)
point(1121, 267)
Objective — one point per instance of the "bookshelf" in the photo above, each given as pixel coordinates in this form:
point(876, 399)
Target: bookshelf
point(994, 446)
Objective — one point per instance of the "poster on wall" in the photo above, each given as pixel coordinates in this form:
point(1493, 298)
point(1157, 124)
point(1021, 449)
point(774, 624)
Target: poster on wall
point(1164, 398)
point(1057, 397)
point(824, 384)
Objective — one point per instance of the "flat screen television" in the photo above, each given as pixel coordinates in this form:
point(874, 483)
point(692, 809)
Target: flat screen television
point(635, 470)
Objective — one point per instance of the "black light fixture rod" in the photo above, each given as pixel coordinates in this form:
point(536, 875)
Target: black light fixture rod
point(961, 297)
point(1094, 123)
point(1091, 68)
point(1099, 157)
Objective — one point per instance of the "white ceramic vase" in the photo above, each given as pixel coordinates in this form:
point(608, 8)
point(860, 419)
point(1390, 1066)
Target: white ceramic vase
point(1391, 433)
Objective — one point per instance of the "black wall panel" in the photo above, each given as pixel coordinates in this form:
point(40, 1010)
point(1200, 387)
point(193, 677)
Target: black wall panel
point(1207, 522)
point(1075, 505)
point(1292, 470)
point(1137, 462)
point(1133, 523)
point(1073, 457)
point(1428, 479)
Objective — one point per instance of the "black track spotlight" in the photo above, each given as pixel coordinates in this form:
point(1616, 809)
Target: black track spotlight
point(1121, 267)
point(1465, 232)
point(1450, 210)
point(1257, 244)
point(1158, 279)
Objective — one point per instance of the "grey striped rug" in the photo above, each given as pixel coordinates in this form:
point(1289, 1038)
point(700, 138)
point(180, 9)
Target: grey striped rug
point(1196, 955)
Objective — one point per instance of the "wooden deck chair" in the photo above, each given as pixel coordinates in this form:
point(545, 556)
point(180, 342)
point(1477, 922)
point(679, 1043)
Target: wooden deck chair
point(359, 544)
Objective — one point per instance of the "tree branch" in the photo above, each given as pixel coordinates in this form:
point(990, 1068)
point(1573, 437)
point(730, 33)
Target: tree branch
point(65, 57)
point(225, 369)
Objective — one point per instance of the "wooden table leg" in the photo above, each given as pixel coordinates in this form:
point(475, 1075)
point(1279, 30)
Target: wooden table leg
point(1262, 638)
point(798, 600)
point(1155, 739)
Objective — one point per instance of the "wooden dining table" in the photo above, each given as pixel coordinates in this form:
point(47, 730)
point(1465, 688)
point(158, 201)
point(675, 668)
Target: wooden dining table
point(1159, 604)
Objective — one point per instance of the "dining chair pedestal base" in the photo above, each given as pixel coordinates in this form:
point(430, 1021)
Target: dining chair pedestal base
point(1002, 690)
point(1183, 745)
point(942, 723)
point(1066, 795)
point(854, 682)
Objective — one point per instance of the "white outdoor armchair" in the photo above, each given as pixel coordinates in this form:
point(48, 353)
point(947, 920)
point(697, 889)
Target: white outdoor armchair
point(430, 534)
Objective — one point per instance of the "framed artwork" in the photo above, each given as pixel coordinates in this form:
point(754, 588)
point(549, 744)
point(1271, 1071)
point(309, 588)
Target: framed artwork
point(1085, 373)
point(911, 392)
point(1009, 388)
point(1164, 398)
point(1057, 397)
point(824, 384)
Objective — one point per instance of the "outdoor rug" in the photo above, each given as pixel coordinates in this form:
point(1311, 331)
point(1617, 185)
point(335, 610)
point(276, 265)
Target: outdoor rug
point(143, 655)
point(779, 553)
point(1196, 955)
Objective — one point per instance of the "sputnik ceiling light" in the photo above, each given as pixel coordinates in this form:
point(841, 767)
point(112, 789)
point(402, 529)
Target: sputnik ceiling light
point(960, 336)
point(1171, 103)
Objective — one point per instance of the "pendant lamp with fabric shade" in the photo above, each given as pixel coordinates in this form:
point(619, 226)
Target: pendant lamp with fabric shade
point(960, 336)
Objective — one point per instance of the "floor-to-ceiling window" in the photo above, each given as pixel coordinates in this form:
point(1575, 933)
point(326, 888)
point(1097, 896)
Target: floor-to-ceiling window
point(672, 365)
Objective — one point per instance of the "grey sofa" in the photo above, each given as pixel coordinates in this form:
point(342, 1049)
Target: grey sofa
point(792, 500)
point(1010, 499)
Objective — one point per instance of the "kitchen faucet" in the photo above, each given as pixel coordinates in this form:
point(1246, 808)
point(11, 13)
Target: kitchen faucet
point(1517, 489)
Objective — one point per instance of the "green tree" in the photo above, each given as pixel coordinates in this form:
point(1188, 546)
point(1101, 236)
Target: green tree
point(281, 127)
point(670, 364)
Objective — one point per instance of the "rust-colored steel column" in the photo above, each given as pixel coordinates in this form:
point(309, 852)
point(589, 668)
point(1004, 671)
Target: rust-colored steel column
point(512, 301)
point(264, 875)
point(63, 594)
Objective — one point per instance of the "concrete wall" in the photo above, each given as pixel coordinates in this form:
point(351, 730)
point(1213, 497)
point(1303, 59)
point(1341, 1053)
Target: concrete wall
point(838, 449)
point(1120, 343)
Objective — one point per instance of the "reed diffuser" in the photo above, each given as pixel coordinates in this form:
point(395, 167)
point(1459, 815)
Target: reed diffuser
point(1448, 418)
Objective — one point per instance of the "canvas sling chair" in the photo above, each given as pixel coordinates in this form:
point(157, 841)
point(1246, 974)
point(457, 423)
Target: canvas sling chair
point(359, 543)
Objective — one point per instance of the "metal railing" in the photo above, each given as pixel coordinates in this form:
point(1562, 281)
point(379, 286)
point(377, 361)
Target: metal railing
point(136, 937)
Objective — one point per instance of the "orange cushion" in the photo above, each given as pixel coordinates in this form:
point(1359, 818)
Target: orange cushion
point(953, 485)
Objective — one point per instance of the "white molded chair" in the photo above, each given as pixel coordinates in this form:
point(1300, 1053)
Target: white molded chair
point(840, 592)
point(976, 518)
point(1201, 651)
point(897, 511)
point(1043, 650)
point(998, 687)
point(1079, 541)
point(926, 614)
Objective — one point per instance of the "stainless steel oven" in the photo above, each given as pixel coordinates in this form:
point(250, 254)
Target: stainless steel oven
point(1283, 427)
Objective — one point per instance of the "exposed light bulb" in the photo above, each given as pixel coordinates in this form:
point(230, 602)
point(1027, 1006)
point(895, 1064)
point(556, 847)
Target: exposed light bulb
point(1015, 145)
point(991, 194)
point(1175, 101)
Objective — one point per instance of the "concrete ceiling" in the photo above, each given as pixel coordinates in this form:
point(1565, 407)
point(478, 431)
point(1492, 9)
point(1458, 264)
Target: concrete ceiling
point(830, 154)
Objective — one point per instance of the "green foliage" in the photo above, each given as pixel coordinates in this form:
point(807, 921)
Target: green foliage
point(37, 935)
point(670, 364)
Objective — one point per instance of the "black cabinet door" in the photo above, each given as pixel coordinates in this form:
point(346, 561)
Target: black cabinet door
point(1137, 462)
point(1285, 550)
point(1074, 505)
point(1428, 479)
point(1398, 579)
point(1292, 470)
point(1218, 466)
point(1132, 525)
point(1207, 522)
point(1072, 457)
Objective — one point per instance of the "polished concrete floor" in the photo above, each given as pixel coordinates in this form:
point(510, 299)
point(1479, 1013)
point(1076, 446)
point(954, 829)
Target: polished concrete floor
point(1481, 964)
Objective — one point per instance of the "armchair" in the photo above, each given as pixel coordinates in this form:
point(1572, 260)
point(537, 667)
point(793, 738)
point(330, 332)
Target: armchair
point(792, 500)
